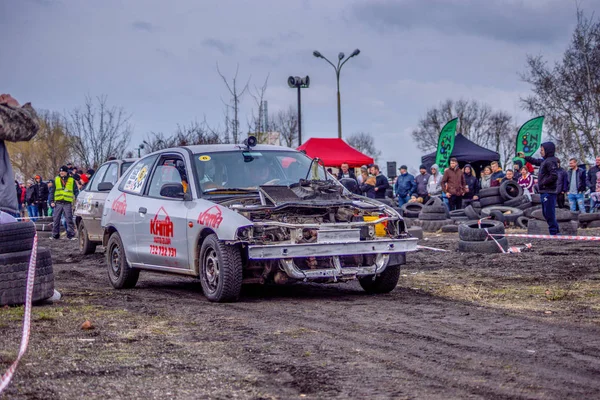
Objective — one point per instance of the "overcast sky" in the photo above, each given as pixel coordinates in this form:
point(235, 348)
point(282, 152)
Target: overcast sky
point(157, 58)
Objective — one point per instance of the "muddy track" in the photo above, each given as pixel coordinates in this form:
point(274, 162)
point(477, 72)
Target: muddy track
point(163, 339)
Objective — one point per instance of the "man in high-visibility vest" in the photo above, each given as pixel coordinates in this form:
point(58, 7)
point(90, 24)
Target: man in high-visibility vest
point(62, 197)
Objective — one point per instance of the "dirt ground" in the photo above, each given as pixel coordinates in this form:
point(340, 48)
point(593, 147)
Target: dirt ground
point(458, 326)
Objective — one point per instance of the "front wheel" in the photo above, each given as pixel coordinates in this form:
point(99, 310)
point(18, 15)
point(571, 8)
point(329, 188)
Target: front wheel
point(384, 282)
point(121, 275)
point(220, 270)
point(85, 245)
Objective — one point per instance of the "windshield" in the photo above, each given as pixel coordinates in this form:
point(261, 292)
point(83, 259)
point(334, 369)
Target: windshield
point(250, 169)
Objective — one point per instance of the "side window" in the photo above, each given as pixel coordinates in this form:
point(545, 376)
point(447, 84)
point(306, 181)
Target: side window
point(137, 176)
point(112, 175)
point(169, 170)
point(97, 178)
point(125, 166)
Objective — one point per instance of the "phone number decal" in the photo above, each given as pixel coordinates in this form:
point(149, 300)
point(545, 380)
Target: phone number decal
point(163, 251)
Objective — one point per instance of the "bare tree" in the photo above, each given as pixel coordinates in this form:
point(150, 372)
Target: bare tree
point(99, 131)
point(501, 136)
point(47, 151)
point(365, 143)
point(185, 135)
point(234, 103)
point(473, 122)
point(286, 123)
point(257, 126)
point(567, 93)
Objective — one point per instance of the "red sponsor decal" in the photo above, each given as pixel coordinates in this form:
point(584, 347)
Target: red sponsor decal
point(211, 218)
point(163, 251)
point(120, 204)
point(161, 227)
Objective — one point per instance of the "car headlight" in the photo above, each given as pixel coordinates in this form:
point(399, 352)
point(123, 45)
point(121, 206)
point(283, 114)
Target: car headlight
point(245, 232)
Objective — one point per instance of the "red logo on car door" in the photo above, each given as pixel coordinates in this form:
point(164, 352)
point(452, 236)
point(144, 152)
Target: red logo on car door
point(120, 204)
point(211, 218)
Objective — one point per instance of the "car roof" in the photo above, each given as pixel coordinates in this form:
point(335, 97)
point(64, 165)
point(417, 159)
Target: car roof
point(212, 148)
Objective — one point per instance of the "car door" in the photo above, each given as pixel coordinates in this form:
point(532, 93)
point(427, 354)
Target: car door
point(162, 223)
point(98, 199)
point(87, 206)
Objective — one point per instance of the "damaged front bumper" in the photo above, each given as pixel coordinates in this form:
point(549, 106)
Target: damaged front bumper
point(386, 251)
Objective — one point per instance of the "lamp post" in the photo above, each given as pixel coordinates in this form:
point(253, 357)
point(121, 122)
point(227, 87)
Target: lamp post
point(140, 148)
point(337, 69)
point(300, 83)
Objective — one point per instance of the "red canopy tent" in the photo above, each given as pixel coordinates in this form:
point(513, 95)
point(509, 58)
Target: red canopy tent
point(334, 152)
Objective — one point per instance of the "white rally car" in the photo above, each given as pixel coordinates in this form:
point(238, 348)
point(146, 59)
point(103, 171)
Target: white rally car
point(233, 214)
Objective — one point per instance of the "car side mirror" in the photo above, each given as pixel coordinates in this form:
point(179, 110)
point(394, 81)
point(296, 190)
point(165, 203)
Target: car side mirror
point(172, 190)
point(105, 187)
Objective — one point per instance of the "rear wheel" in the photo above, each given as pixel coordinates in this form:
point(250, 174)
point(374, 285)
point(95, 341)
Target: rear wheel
point(220, 270)
point(121, 275)
point(85, 245)
point(383, 283)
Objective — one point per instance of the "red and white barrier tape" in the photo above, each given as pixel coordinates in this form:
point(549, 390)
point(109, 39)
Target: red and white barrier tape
point(551, 237)
point(5, 380)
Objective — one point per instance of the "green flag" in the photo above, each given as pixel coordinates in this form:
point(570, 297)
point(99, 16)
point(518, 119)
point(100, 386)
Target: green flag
point(446, 144)
point(529, 137)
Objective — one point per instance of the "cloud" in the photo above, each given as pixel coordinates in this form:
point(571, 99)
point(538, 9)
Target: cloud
point(509, 21)
point(144, 26)
point(219, 45)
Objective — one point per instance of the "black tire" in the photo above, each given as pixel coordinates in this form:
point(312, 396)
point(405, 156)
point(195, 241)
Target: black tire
point(535, 198)
point(457, 213)
point(525, 206)
point(593, 224)
point(489, 192)
point(441, 209)
point(423, 216)
point(561, 215)
point(485, 247)
point(415, 231)
point(16, 237)
point(510, 214)
point(528, 212)
point(120, 274)
point(472, 232)
point(434, 226)
point(510, 190)
point(522, 222)
point(516, 201)
point(491, 201)
point(537, 227)
point(496, 215)
point(411, 207)
point(460, 219)
point(471, 213)
point(220, 270)
point(476, 204)
point(13, 277)
point(449, 228)
point(434, 201)
point(85, 245)
point(44, 226)
point(384, 282)
point(589, 217)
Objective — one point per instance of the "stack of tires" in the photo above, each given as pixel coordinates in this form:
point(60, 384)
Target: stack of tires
point(508, 191)
point(434, 215)
point(474, 238)
point(590, 220)
point(567, 223)
point(16, 243)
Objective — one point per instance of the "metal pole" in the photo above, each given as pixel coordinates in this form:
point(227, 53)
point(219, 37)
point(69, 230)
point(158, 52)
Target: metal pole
point(299, 118)
point(139, 155)
point(339, 107)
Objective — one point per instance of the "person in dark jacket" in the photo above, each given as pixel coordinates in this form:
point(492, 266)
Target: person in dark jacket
point(576, 186)
point(346, 172)
point(497, 174)
point(421, 181)
point(381, 182)
point(367, 185)
point(547, 183)
point(31, 200)
point(510, 176)
point(472, 186)
point(405, 186)
point(19, 193)
point(562, 186)
point(454, 185)
point(42, 193)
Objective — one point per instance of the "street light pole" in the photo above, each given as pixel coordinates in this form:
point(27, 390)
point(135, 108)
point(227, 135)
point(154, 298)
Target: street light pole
point(300, 83)
point(337, 69)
